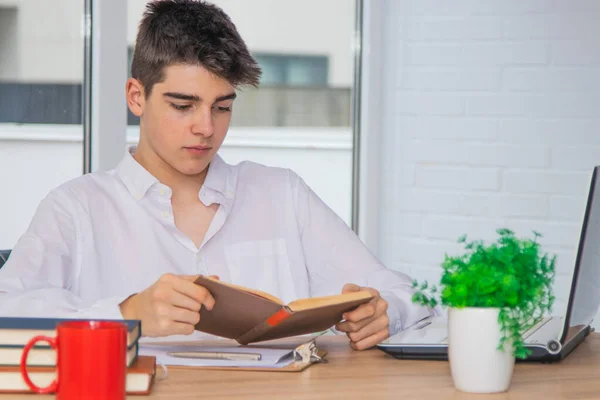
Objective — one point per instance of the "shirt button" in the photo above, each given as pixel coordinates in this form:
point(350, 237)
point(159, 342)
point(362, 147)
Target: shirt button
point(162, 191)
point(199, 258)
point(166, 214)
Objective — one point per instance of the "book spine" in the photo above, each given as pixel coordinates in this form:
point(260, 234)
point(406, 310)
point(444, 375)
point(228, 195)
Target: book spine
point(264, 326)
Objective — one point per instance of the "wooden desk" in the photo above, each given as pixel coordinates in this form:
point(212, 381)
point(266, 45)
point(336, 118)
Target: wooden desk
point(372, 374)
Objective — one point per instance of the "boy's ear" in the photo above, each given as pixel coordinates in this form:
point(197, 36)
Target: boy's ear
point(136, 99)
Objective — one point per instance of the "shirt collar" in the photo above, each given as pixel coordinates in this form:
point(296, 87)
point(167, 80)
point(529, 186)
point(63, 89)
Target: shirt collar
point(136, 178)
point(221, 177)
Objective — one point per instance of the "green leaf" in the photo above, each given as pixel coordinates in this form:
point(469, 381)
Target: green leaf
point(511, 273)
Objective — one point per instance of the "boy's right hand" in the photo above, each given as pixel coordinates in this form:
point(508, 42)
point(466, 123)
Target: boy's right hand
point(171, 306)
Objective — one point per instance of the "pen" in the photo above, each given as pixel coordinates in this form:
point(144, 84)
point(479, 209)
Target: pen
point(214, 355)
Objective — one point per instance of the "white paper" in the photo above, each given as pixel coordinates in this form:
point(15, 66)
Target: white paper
point(271, 358)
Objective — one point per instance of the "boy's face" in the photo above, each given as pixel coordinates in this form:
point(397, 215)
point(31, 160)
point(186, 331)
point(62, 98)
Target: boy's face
point(184, 121)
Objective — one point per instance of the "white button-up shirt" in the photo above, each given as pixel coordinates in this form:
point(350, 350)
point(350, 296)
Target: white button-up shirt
point(103, 236)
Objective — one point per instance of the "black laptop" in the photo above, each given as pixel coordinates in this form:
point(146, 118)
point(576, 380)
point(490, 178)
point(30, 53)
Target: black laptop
point(552, 338)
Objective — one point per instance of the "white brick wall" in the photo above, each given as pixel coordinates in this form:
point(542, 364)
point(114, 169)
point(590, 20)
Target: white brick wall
point(490, 118)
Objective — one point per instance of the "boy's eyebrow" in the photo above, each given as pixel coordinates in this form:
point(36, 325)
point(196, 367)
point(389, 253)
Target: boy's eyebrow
point(230, 96)
point(193, 97)
point(182, 96)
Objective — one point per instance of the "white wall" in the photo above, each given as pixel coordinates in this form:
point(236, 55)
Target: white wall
point(48, 34)
point(36, 158)
point(490, 118)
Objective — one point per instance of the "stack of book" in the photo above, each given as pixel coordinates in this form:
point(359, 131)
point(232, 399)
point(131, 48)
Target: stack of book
point(41, 360)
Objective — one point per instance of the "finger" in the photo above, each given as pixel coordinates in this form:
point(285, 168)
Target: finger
point(363, 311)
point(350, 287)
point(186, 316)
point(348, 327)
point(190, 278)
point(196, 292)
point(373, 292)
point(180, 300)
point(379, 307)
point(370, 329)
point(177, 328)
point(167, 320)
point(371, 340)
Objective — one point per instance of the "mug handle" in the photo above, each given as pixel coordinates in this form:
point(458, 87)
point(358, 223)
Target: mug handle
point(32, 386)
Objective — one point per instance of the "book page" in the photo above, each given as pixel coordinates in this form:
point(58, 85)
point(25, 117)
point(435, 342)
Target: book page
point(316, 302)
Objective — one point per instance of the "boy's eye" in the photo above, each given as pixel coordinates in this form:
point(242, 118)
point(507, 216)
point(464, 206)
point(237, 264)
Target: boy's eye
point(224, 109)
point(180, 107)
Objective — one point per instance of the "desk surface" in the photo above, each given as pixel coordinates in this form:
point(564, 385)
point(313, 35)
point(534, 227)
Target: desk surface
point(372, 374)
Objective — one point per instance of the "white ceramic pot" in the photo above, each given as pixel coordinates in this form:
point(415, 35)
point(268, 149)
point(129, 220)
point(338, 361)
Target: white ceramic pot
point(475, 363)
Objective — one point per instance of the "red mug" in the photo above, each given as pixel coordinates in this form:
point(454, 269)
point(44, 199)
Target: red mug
point(91, 360)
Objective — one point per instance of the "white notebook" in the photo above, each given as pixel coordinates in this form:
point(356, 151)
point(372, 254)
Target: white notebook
point(270, 358)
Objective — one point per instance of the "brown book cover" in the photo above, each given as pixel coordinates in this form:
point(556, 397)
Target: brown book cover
point(248, 315)
point(140, 377)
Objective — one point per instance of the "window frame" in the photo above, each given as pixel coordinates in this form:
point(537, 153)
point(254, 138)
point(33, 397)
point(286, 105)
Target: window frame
point(105, 65)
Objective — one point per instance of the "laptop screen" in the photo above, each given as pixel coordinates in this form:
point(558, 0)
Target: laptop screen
point(585, 288)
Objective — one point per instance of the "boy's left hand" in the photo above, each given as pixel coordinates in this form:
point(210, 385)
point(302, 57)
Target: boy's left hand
point(368, 324)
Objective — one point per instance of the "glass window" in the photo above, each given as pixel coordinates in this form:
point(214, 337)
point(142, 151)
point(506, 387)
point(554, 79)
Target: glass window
point(299, 70)
point(41, 74)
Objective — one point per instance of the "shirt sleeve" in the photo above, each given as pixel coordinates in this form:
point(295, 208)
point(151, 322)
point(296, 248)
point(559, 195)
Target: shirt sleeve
point(335, 255)
point(42, 267)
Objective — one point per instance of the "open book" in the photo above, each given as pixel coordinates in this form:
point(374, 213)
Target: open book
point(248, 315)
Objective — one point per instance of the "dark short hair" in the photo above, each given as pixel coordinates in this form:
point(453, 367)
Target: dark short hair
point(190, 32)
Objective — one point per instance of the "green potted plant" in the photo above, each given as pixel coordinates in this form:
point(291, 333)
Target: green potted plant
point(494, 293)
